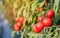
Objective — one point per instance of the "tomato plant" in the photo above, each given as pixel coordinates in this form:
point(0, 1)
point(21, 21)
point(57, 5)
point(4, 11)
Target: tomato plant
point(40, 14)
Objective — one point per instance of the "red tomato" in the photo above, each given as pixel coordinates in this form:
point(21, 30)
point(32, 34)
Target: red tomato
point(39, 18)
point(16, 28)
point(34, 29)
point(21, 20)
point(47, 22)
point(18, 24)
point(38, 27)
point(50, 13)
point(16, 19)
point(39, 9)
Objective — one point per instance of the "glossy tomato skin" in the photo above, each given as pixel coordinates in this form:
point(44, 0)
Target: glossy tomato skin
point(16, 28)
point(39, 18)
point(50, 13)
point(47, 22)
point(34, 29)
point(39, 26)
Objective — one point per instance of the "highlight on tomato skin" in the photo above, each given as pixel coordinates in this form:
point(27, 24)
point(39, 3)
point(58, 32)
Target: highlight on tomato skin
point(18, 24)
point(38, 27)
point(50, 13)
point(47, 22)
point(34, 29)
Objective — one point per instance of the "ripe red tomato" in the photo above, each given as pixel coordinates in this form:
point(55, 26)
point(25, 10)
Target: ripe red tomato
point(39, 9)
point(16, 19)
point(18, 24)
point(21, 19)
point(16, 28)
point(47, 22)
point(50, 13)
point(34, 29)
point(39, 18)
point(38, 27)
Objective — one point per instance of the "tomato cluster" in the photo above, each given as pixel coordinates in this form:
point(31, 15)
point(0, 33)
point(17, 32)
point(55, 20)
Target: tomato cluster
point(43, 21)
point(19, 23)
